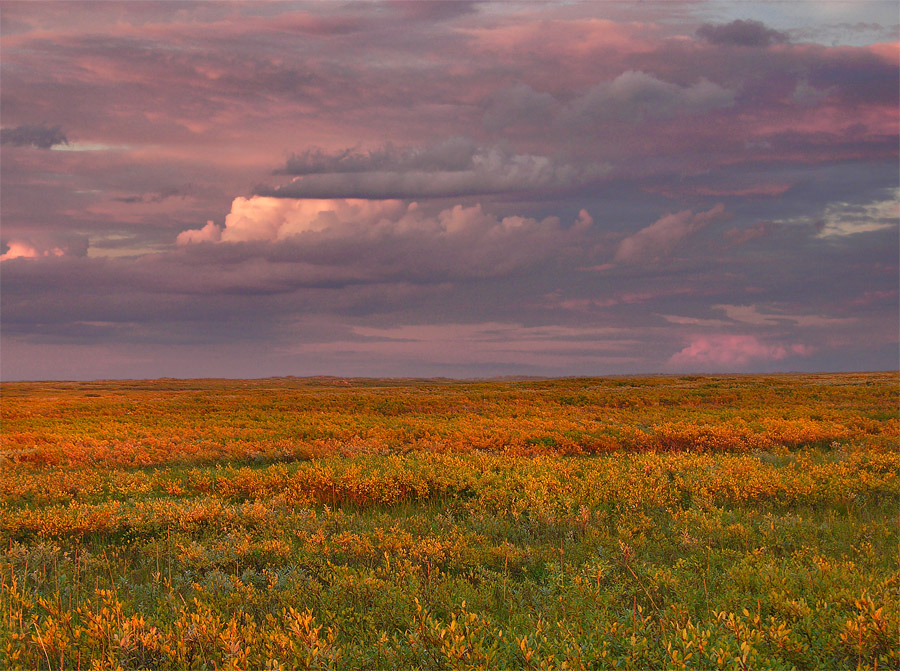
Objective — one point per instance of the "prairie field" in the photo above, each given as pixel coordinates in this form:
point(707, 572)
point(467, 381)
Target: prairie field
point(742, 522)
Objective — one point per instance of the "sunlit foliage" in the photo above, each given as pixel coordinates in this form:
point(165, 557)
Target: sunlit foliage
point(672, 522)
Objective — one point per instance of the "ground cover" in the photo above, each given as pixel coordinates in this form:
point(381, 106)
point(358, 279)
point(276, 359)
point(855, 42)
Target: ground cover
point(745, 522)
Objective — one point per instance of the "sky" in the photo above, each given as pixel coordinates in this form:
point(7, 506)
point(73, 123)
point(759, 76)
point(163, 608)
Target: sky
point(459, 189)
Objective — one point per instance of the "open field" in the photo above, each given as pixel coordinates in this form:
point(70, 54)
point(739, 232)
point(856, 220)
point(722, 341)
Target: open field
point(671, 522)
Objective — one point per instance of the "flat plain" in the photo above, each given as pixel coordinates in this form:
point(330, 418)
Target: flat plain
point(740, 522)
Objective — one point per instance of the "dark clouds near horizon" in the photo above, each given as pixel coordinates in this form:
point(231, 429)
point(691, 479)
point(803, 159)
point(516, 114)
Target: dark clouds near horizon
point(461, 189)
point(40, 136)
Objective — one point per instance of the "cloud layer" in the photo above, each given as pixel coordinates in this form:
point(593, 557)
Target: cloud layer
point(448, 188)
point(651, 244)
point(380, 240)
point(741, 33)
point(720, 352)
point(453, 168)
point(40, 136)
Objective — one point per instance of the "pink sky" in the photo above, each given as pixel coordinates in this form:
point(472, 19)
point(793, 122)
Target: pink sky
point(461, 189)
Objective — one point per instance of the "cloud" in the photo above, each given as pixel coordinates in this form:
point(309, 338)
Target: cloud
point(533, 100)
point(751, 314)
point(452, 154)
point(18, 249)
point(634, 96)
point(741, 33)
point(22, 249)
point(662, 236)
point(530, 40)
point(875, 297)
point(858, 77)
point(694, 321)
point(487, 343)
point(433, 10)
point(584, 220)
point(842, 219)
point(520, 105)
point(452, 168)
point(209, 233)
point(638, 96)
point(261, 218)
point(732, 351)
point(374, 239)
point(805, 95)
point(158, 196)
point(741, 236)
point(40, 136)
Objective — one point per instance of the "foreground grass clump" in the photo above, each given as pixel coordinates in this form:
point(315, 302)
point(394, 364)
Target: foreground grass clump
point(694, 522)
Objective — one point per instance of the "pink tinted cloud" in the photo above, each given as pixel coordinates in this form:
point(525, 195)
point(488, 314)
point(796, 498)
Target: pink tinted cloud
point(22, 249)
point(764, 190)
point(874, 297)
point(732, 351)
point(662, 236)
point(363, 238)
point(575, 38)
point(262, 218)
point(18, 249)
point(740, 236)
point(623, 298)
point(486, 343)
point(269, 219)
point(209, 233)
point(236, 88)
point(753, 190)
point(210, 95)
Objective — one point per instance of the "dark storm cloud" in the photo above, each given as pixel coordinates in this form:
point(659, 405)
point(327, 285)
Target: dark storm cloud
point(741, 33)
point(41, 136)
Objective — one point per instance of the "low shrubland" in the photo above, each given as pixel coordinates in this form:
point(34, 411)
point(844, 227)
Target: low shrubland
point(677, 522)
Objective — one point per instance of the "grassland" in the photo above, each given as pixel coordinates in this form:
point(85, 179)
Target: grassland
point(677, 522)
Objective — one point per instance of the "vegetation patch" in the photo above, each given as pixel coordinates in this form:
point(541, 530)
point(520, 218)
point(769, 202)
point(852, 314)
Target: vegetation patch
point(664, 522)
